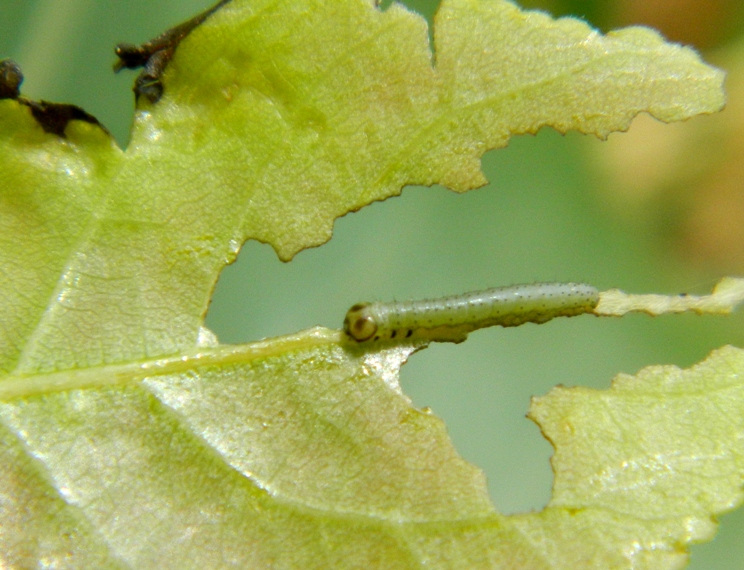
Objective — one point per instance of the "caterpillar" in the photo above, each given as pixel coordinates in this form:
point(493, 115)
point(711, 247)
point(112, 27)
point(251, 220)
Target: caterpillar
point(451, 318)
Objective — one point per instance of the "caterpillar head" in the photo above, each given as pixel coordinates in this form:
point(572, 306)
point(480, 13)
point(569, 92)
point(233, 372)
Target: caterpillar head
point(359, 323)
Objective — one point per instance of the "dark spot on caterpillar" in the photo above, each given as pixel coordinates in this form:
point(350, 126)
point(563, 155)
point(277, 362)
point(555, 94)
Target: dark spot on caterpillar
point(155, 55)
point(392, 334)
point(52, 117)
point(409, 333)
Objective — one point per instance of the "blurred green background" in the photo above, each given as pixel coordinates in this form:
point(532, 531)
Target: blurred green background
point(565, 208)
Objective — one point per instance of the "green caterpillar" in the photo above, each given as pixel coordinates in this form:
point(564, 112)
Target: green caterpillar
point(448, 316)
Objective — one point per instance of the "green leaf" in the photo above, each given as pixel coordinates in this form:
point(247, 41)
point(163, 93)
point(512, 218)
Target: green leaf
point(289, 450)
point(303, 453)
point(727, 294)
point(278, 118)
point(646, 463)
point(54, 194)
point(130, 439)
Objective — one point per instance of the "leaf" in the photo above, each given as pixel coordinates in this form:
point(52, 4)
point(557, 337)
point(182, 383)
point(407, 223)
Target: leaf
point(130, 440)
point(265, 133)
point(253, 450)
point(727, 294)
point(301, 453)
point(659, 451)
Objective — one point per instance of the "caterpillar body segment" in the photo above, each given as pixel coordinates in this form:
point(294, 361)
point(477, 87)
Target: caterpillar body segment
point(451, 318)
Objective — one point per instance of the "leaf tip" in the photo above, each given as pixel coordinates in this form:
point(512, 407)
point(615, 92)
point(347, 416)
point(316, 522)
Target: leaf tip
point(726, 296)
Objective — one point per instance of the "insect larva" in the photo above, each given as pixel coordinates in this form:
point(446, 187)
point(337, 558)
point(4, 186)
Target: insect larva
point(448, 317)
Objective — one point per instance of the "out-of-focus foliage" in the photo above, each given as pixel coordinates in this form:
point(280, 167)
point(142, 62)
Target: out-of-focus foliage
point(702, 23)
point(686, 181)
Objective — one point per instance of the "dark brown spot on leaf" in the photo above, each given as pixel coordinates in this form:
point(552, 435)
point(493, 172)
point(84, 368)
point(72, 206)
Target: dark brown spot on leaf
point(10, 79)
point(54, 117)
point(154, 56)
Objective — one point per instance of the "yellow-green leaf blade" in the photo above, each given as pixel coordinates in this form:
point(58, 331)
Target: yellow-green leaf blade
point(659, 452)
point(258, 451)
point(279, 117)
point(250, 452)
point(52, 191)
point(727, 294)
point(517, 71)
point(322, 108)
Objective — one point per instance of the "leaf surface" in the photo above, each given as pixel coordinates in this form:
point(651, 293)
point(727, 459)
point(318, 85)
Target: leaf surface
point(130, 439)
point(277, 118)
